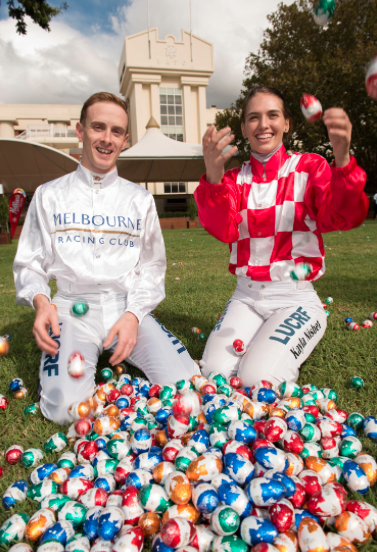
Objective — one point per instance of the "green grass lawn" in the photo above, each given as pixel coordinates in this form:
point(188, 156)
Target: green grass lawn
point(197, 299)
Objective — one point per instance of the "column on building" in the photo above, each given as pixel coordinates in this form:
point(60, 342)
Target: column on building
point(7, 128)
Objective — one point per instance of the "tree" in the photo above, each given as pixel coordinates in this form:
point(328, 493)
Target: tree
point(192, 210)
point(40, 11)
point(297, 56)
point(4, 213)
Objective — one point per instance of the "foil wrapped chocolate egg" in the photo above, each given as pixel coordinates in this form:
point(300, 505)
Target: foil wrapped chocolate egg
point(177, 532)
point(265, 492)
point(311, 537)
point(204, 468)
point(205, 498)
point(271, 458)
point(110, 522)
point(369, 466)
point(178, 488)
point(39, 523)
point(16, 492)
point(187, 511)
point(42, 472)
point(353, 528)
point(256, 530)
point(355, 477)
point(150, 524)
point(238, 467)
point(73, 511)
point(13, 529)
point(13, 454)
point(224, 521)
point(154, 498)
point(106, 425)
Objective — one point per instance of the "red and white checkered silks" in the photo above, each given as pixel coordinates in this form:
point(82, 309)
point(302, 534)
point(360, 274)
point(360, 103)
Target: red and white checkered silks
point(273, 218)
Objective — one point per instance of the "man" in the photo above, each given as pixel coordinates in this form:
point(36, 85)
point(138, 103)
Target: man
point(375, 206)
point(99, 236)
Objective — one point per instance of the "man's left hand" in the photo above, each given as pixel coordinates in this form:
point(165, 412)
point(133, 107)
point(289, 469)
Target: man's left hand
point(339, 128)
point(126, 330)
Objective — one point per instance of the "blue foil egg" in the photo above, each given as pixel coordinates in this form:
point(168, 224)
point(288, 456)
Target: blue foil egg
point(163, 414)
point(271, 458)
point(148, 460)
point(15, 493)
point(370, 428)
point(42, 472)
point(208, 397)
point(209, 410)
point(199, 440)
point(141, 441)
point(90, 526)
point(16, 384)
point(205, 498)
point(239, 468)
point(159, 546)
point(122, 402)
point(264, 395)
point(265, 492)
point(242, 432)
point(301, 514)
point(356, 479)
point(101, 442)
point(84, 471)
point(348, 431)
point(287, 481)
point(110, 522)
point(232, 495)
point(137, 478)
point(257, 529)
point(61, 531)
point(106, 482)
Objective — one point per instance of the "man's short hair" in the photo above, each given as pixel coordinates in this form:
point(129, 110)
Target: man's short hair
point(102, 97)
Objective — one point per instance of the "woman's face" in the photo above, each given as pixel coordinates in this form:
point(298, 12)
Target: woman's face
point(265, 123)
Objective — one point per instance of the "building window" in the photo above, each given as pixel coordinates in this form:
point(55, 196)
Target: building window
point(171, 112)
point(175, 188)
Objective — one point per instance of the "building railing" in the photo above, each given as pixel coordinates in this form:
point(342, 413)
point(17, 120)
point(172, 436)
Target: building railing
point(46, 131)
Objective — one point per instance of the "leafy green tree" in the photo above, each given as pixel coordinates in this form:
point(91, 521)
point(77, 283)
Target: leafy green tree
point(192, 211)
point(4, 213)
point(297, 56)
point(40, 11)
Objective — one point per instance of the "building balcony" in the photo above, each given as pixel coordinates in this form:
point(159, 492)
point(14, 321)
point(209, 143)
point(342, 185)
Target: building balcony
point(60, 137)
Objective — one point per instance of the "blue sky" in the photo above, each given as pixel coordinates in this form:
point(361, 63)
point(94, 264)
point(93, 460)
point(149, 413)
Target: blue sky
point(81, 53)
point(84, 15)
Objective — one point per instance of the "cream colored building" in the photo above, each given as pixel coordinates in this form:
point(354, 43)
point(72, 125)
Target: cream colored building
point(164, 78)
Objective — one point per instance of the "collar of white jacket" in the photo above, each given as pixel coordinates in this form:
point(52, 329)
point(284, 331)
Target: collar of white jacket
point(88, 177)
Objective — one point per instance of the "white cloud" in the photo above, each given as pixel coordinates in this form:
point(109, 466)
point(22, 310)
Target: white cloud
point(67, 66)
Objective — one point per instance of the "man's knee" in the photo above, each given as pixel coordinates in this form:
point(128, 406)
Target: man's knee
point(55, 404)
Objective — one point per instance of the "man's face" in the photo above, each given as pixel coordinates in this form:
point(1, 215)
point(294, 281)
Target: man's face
point(104, 136)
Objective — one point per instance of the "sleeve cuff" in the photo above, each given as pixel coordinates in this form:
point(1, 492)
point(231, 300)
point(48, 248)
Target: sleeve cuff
point(26, 297)
point(137, 313)
point(214, 187)
point(348, 169)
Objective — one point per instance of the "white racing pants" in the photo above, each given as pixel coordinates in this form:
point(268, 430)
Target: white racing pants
point(280, 323)
point(158, 353)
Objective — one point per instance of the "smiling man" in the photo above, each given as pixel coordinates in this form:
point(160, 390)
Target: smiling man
point(99, 237)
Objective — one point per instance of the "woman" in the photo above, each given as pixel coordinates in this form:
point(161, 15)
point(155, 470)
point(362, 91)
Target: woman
point(272, 212)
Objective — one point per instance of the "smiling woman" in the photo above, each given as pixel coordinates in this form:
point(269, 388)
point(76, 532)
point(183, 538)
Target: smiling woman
point(272, 212)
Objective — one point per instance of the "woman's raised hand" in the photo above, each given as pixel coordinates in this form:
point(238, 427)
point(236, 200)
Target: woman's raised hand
point(339, 128)
point(213, 145)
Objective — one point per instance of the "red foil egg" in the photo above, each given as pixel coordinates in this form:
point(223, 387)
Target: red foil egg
point(83, 426)
point(13, 454)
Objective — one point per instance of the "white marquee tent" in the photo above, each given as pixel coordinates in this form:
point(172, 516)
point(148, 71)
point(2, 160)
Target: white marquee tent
point(157, 158)
point(26, 165)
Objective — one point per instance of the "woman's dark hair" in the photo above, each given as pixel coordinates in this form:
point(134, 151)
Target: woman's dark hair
point(267, 90)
